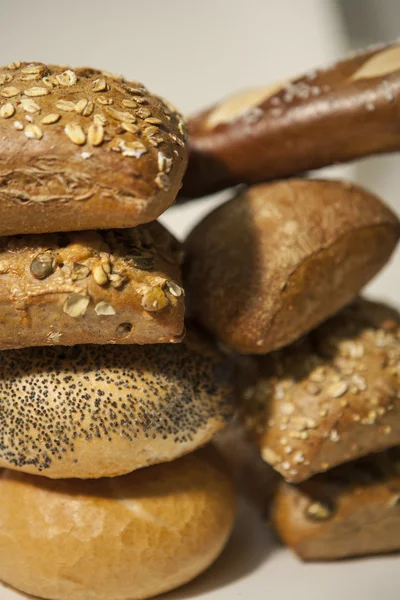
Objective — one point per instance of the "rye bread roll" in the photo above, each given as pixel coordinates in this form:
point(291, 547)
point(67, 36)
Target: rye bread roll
point(330, 398)
point(82, 149)
point(324, 117)
point(268, 266)
point(94, 287)
point(102, 411)
point(125, 538)
point(353, 510)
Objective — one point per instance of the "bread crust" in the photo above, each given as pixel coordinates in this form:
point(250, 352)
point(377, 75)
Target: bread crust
point(97, 152)
point(332, 397)
point(324, 117)
point(102, 411)
point(278, 259)
point(125, 538)
point(352, 510)
point(93, 287)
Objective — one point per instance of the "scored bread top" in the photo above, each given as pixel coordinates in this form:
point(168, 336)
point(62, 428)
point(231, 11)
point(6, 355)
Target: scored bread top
point(83, 149)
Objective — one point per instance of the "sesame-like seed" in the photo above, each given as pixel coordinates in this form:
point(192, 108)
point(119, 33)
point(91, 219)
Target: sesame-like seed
point(162, 181)
point(99, 275)
point(95, 135)
point(76, 305)
point(334, 436)
point(316, 511)
point(298, 457)
point(36, 92)
point(164, 163)
point(51, 118)
point(335, 390)
point(30, 106)
point(99, 85)
point(33, 132)
point(65, 105)
point(174, 289)
point(10, 92)
point(18, 125)
point(86, 155)
point(104, 309)
point(67, 79)
point(75, 133)
point(7, 110)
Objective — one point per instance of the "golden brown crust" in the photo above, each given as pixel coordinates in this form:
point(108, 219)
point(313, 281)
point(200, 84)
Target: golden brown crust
point(330, 398)
point(324, 117)
point(269, 265)
point(126, 538)
point(80, 149)
point(102, 411)
point(352, 510)
point(93, 287)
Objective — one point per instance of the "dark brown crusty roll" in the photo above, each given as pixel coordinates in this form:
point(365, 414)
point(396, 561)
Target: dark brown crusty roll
point(124, 538)
point(353, 510)
point(102, 411)
point(330, 398)
point(271, 264)
point(347, 111)
point(93, 287)
point(82, 149)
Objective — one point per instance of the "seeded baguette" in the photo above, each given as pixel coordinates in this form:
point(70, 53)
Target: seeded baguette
point(271, 264)
point(353, 510)
point(330, 398)
point(125, 538)
point(102, 411)
point(82, 149)
point(94, 287)
point(327, 116)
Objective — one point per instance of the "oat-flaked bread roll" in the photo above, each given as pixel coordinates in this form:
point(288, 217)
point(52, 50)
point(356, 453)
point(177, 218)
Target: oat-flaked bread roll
point(271, 264)
point(352, 510)
point(81, 149)
point(326, 116)
point(129, 537)
point(330, 398)
point(116, 286)
point(101, 411)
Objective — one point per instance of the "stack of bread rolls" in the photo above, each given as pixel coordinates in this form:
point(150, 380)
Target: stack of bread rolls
point(95, 386)
point(275, 273)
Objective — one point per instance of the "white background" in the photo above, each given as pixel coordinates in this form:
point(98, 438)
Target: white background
point(193, 53)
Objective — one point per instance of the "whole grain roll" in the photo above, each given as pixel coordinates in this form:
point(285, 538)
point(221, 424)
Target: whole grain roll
point(324, 117)
point(126, 538)
point(119, 286)
point(82, 149)
point(270, 265)
point(353, 510)
point(102, 411)
point(330, 398)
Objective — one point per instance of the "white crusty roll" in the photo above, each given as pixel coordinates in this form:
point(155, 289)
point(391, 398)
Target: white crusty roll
point(102, 411)
point(130, 537)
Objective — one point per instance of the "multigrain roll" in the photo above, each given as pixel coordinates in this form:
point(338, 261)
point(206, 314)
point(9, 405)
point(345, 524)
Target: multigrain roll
point(99, 287)
point(331, 398)
point(353, 510)
point(327, 116)
point(268, 266)
point(82, 149)
point(129, 537)
point(102, 411)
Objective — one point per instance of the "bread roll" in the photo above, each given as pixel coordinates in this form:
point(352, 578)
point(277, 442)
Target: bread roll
point(352, 510)
point(82, 149)
point(118, 286)
point(331, 398)
point(327, 116)
point(101, 411)
point(278, 259)
point(130, 537)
